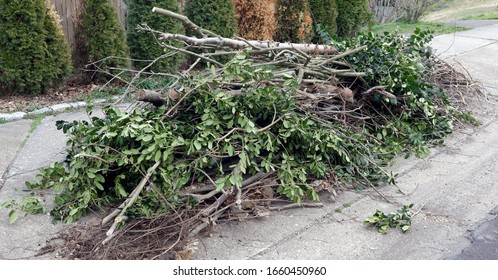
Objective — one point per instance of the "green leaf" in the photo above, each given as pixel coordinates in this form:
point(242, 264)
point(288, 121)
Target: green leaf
point(230, 150)
point(405, 228)
point(383, 229)
point(73, 211)
point(158, 155)
point(99, 178)
point(147, 138)
point(121, 191)
point(13, 215)
point(86, 197)
point(240, 56)
point(197, 145)
point(184, 180)
point(99, 186)
point(220, 183)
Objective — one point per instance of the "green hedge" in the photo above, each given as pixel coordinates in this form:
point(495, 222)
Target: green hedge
point(100, 38)
point(353, 14)
point(143, 45)
point(324, 12)
point(217, 16)
point(33, 53)
point(294, 22)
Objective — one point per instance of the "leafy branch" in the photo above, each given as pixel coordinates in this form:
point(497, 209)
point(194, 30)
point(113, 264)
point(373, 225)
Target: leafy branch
point(402, 218)
point(28, 205)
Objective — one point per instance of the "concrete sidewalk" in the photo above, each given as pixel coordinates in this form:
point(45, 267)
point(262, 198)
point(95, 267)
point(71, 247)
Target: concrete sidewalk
point(455, 188)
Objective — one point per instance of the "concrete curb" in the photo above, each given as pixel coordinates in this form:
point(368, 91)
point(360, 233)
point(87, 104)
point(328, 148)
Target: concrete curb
point(54, 109)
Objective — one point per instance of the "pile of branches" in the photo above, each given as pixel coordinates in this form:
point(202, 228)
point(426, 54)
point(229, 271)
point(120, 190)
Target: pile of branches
point(249, 128)
point(458, 85)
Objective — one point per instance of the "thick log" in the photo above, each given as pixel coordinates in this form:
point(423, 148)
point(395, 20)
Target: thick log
point(243, 44)
point(150, 96)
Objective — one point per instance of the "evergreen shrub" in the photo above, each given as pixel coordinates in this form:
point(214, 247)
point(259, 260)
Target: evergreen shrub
point(217, 16)
point(352, 15)
point(144, 46)
point(34, 55)
point(294, 22)
point(100, 40)
point(324, 12)
point(256, 19)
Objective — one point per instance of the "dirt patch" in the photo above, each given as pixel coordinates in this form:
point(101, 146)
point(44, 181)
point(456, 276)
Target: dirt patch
point(26, 103)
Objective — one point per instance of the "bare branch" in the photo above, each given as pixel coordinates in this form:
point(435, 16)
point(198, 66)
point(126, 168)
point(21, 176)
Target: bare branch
point(243, 44)
point(201, 31)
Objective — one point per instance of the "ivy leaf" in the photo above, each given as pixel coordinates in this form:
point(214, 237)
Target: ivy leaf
point(220, 183)
point(197, 145)
point(147, 138)
point(73, 211)
point(121, 191)
point(405, 228)
point(383, 229)
point(13, 215)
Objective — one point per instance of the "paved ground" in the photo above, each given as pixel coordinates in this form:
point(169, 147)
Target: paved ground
point(455, 189)
point(472, 23)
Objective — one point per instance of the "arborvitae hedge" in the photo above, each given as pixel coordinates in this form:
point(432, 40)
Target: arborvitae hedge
point(144, 46)
point(353, 14)
point(294, 22)
point(324, 12)
point(33, 53)
point(100, 38)
point(217, 16)
point(256, 19)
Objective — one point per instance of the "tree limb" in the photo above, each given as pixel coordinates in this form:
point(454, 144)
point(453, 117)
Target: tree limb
point(240, 44)
point(186, 22)
point(150, 96)
point(118, 213)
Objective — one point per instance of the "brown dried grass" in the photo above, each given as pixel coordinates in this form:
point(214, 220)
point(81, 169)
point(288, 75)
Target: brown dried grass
point(256, 19)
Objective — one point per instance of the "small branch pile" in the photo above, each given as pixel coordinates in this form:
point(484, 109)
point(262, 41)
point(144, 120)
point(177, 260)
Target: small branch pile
point(458, 85)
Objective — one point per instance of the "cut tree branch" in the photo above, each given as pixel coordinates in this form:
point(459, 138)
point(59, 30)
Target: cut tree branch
point(240, 44)
point(120, 211)
point(186, 22)
point(150, 96)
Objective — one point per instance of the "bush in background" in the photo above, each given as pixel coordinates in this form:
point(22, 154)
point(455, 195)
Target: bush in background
point(100, 40)
point(324, 12)
point(352, 15)
point(294, 22)
point(392, 10)
point(217, 16)
point(144, 46)
point(412, 10)
point(33, 53)
point(256, 19)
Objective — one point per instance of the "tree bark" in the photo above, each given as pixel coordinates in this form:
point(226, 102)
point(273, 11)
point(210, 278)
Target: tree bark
point(150, 96)
point(260, 45)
